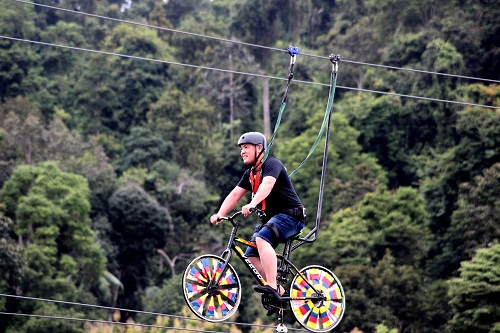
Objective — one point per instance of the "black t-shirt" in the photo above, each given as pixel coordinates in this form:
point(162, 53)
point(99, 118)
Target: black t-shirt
point(283, 195)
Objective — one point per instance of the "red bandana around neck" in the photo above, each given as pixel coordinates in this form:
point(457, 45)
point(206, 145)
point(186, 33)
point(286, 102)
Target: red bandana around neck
point(255, 174)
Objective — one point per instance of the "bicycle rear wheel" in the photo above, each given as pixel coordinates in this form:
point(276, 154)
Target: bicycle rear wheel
point(320, 310)
point(212, 294)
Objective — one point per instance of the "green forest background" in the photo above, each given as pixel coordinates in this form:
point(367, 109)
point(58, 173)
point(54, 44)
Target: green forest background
point(111, 166)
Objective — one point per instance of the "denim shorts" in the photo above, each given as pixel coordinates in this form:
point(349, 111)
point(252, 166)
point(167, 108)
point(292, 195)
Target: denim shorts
point(286, 227)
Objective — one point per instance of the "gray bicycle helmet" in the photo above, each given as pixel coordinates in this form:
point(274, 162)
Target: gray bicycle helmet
point(255, 138)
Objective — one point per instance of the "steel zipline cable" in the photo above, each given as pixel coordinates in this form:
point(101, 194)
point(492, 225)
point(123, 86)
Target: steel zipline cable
point(242, 73)
point(104, 322)
point(421, 71)
point(250, 44)
point(102, 307)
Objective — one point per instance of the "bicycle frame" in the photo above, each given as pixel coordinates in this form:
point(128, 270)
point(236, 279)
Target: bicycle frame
point(285, 266)
point(212, 289)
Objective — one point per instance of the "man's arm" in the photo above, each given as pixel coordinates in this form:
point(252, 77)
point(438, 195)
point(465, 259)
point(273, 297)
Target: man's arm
point(264, 189)
point(229, 203)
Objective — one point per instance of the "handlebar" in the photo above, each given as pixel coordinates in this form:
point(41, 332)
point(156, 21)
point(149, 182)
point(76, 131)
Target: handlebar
point(229, 218)
point(255, 210)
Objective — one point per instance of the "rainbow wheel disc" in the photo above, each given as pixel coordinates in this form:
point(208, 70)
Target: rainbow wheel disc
point(321, 311)
point(208, 301)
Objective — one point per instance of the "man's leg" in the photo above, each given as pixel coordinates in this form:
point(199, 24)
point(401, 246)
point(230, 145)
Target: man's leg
point(258, 265)
point(268, 261)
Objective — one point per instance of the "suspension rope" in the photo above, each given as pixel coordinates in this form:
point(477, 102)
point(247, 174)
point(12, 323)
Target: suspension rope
point(335, 60)
point(313, 234)
point(331, 95)
point(293, 51)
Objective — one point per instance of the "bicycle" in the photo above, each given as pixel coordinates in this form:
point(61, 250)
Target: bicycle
point(212, 288)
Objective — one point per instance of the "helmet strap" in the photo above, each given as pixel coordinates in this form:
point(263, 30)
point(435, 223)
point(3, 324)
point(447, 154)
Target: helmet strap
point(257, 156)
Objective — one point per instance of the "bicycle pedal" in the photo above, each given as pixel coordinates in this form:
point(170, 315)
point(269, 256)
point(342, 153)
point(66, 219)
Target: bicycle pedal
point(268, 302)
point(272, 306)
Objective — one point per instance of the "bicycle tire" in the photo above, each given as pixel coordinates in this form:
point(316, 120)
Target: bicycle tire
point(321, 315)
point(216, 303)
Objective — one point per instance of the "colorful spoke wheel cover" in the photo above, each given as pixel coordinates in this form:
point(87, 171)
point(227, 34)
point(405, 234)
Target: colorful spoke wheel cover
point(325, 311)
point(211, 293)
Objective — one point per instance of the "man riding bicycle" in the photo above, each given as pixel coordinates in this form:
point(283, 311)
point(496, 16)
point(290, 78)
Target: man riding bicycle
point(273, 192)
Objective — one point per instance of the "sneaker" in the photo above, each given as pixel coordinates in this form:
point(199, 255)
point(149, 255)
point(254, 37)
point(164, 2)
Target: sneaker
point(267, 289)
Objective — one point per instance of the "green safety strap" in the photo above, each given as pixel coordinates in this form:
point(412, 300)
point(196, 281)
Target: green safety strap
point(293, 51)
point(313, 234)
point(329, 108)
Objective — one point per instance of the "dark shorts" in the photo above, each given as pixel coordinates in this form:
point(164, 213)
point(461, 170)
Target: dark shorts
point(286, 227)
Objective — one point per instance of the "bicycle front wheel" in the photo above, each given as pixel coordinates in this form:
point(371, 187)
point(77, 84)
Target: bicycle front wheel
point(212, 294)
point(318, 300)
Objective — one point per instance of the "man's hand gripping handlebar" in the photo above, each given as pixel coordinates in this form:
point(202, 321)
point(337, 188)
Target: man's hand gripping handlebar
point(216, 219)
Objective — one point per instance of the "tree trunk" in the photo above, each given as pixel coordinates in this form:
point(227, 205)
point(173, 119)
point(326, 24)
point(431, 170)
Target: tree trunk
point(171, 262)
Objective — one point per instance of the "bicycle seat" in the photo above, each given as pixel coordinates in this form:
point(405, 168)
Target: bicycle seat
point(294, 237)
point(289, 240)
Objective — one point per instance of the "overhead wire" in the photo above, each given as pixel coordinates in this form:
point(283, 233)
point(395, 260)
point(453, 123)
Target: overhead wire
point(243, 73)
point(421, 71)
point(106, 322)
point(250, 44)
point(149, 26)
point(102, 307)
point(148, 59)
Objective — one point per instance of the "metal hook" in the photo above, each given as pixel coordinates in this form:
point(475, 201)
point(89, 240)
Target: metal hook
point(334, 58)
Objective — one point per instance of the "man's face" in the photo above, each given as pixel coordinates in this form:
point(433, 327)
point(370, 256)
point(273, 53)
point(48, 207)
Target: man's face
point(248, 153)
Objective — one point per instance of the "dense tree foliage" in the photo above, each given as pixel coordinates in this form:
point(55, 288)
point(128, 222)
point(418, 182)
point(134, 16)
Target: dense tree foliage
point(62, 256)
point(475, 292)
point(110, 164)
point(11, 261)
